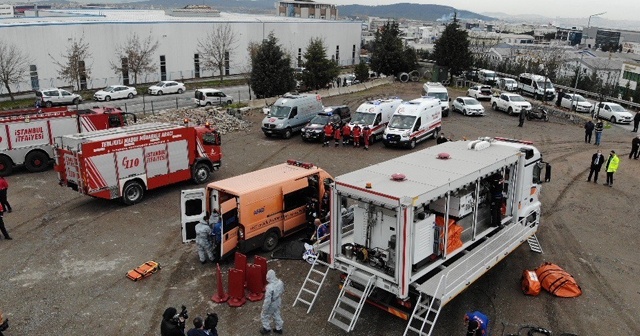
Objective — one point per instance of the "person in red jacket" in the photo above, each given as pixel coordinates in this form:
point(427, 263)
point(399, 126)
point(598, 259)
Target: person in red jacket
point(366, 134)
point(4, 186)
point(2, 228)
point(337, 135)
point(355, 133)
point(328, 134)
point(346, 134)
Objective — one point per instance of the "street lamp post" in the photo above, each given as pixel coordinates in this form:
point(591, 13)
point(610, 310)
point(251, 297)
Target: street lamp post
point(575, 86)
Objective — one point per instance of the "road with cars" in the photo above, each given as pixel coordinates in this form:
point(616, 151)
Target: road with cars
point(145, 103)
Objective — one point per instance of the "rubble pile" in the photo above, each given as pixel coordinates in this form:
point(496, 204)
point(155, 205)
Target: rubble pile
point(226, 120)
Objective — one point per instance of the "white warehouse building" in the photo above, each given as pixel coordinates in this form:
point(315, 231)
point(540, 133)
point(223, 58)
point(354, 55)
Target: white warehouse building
point(47, 37)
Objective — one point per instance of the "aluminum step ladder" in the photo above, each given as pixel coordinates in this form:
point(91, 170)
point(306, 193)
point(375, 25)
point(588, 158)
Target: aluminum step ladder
point(312, 284)
point(534, 244)
point(346, 310)
point(424, 316)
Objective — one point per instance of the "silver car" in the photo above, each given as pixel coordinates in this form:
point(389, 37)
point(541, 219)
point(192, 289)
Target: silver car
point(51, 97)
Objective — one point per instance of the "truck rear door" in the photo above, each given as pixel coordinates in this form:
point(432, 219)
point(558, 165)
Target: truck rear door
point(192, 210)
point(230, 225)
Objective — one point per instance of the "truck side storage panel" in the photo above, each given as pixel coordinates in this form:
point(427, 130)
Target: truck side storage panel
point(155, 158)
point(33, 134)
point(63, 126)
point(101, 175)
point(178, 156)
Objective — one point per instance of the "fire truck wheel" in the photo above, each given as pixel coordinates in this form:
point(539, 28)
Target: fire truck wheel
point(36, 161)
point(6, 165)
point(132, 193)
point(201, 173)
point(270, 241)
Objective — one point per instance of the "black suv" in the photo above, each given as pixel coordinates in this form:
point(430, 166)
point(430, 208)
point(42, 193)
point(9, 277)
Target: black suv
point(314, 130)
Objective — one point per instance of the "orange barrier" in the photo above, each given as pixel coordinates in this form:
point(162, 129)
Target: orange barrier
point(236, 288)
point(254, 283)
point(220, 296)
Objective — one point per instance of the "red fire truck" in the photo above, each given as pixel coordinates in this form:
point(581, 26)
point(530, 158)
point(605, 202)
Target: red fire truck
point(26, 136)
point(125, 162)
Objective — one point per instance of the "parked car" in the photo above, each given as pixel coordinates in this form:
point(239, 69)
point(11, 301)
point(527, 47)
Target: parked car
point(468, 106)
point(576, 102)
point(471, 75)
point(166, 87)
point(50, 97)
point(115, 92)
point(508, 84)
point(314, 130)
point(612, 112)
point(480, 92)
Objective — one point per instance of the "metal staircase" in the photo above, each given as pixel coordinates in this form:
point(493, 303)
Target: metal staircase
point(425, 314)
point(312, 284)
point(346, 310)
point(534, 244)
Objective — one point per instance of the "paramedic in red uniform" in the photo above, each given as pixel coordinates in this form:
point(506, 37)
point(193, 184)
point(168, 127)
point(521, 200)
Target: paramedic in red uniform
point(4, 186)
point(337, 135)
point(328, 134)
point(346, 133)
point(355, 132)
point(366, 134)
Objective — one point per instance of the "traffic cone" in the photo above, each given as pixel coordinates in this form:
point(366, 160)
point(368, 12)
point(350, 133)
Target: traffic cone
point(236, 288)
point(258, 260)
point(240, 263)
point(254, 283)
point(220, 296)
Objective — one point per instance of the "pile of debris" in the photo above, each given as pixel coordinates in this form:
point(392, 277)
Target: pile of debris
point(226, 120)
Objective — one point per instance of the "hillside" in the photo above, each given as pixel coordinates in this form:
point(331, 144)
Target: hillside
point(410, 11)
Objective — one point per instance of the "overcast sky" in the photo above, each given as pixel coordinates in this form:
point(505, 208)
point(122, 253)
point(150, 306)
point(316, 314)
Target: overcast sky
point(616, 9)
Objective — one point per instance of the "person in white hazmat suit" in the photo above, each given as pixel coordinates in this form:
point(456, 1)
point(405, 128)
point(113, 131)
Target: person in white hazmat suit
point(272, 304)
point(203, 240)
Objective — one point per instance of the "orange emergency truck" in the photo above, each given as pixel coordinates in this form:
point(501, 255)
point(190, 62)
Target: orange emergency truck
point(257, 208)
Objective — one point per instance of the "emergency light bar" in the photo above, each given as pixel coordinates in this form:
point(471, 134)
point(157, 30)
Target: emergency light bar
point(296, 163)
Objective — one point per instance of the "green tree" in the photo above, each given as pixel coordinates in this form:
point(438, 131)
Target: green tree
point(388, 51)
point(452, 49)
point(271, 72)
point(72, 67)
point(362, 72)
point(319, 70)
point(410, 59)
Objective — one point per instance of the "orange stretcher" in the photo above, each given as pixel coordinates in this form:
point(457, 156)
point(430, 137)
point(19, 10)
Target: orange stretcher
point(143, 270)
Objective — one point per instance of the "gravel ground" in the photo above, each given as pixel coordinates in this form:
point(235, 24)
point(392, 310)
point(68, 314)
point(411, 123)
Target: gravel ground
point(64, 272)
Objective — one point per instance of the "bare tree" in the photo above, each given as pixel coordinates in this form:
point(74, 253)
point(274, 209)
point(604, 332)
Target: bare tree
point(135, 57)
point(13, 65)
point(216, 48)
point(72, 67)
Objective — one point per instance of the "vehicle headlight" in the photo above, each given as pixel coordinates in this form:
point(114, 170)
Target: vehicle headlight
point(406, 133)
point(303, 130)
point(279, 125)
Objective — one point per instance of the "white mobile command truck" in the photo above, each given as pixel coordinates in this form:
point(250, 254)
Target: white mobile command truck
point(376, 115)
point(399, 255)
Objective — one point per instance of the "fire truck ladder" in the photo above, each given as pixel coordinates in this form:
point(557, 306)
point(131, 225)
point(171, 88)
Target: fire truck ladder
point(346, 310)
point(312, 284)
point(425, 314)
point(534, 244)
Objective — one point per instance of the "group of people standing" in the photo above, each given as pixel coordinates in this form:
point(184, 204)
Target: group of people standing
point(346, 135)
point(590, 127)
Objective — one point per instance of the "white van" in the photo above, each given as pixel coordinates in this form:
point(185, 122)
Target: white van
point(536, 86)
point(205, 97)
point(413, 122)
point(487, 76)
point(291, 113)
point(376, 115)
point(437, 90)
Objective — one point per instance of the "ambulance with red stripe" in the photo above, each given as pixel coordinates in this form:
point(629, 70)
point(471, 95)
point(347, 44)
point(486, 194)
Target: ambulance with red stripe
point(376, 115)
point(27, 136)
point(414, 121)
point(126, 162)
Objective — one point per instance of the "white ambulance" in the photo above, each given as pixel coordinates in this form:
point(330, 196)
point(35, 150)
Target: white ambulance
point(414, 121)
point(376, 115)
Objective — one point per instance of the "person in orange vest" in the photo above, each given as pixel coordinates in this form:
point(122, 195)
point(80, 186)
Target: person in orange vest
point(328, 134)
point(355, 133)
point(346, 134)
point(366, 134)
point(337, 135)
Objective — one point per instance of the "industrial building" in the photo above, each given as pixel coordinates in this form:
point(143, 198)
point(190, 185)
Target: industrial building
point(47, 37)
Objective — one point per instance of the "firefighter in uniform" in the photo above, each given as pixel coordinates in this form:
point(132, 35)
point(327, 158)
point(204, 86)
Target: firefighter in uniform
point(328, 134)
point(337, 135)
point(346, 133)
point(366, 135)
point(477, 323)
point(355, 133)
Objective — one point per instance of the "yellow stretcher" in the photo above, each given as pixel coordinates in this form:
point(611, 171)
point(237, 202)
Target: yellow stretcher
point(143, 270)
